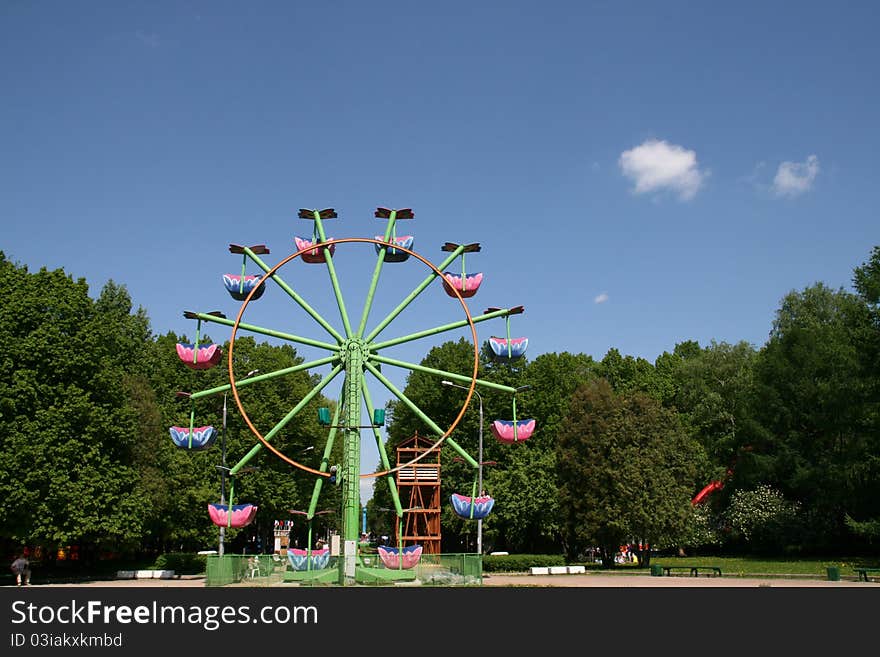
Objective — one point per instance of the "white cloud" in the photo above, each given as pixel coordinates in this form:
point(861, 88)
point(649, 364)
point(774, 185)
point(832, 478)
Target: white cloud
point(657, 165)
point(795, 178)
point(602, 298)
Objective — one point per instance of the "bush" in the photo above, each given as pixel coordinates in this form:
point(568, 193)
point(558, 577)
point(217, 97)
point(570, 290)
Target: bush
point(513, 563)
point(763, 519)
point(182, 563)
point(702, 529)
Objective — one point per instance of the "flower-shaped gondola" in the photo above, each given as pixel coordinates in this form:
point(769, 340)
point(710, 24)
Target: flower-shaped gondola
point(240, 286)
point(308, 559)
point(241, 516)
point(467, 286)
point(202, 358)
point(195, 438)
point(508, 349)
point(472, 508)
point(316, 251)
point(392, 254)
point(391, 556)
point(512, 431)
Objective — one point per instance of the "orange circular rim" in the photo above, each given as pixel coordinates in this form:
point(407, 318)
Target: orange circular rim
point(270, 273)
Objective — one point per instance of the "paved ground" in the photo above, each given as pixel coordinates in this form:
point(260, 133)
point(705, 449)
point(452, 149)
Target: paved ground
point(597, 580)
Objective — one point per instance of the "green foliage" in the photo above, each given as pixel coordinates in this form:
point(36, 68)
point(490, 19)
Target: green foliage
point(626, 373)
point(866, 278)
point(713, 394)
point(868, 530)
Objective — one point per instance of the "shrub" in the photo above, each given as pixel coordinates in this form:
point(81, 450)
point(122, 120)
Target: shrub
point(182, 563)
point(702, 529)
point(763, 519)
point(513, 563)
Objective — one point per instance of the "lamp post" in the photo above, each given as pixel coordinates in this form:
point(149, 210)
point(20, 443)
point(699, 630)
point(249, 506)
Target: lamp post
point(479, 462)
point(223, 468)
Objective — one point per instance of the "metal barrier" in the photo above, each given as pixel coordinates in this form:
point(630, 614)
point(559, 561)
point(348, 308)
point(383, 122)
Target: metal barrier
point(263, 570)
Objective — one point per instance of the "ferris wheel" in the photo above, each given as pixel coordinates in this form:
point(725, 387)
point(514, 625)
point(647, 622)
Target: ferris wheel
point(355, 354)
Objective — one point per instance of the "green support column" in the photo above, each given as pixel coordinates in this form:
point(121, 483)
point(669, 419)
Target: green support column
point(351, 467)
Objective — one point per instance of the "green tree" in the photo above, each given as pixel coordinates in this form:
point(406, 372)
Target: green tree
point(626, 467)
point(714, 394)
point(69, 431)
point(866, 523)
point(866, 278)
point(814, 397)
point(631, 373)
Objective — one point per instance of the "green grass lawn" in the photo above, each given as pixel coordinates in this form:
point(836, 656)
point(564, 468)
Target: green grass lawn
point(748, 566)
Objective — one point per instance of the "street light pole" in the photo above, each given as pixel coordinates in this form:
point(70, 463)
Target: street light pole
point(480, 479)
point(223, 476)
point(479, 461)
point(223, 468)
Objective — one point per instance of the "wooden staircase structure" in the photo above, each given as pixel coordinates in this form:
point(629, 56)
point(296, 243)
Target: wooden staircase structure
point(421, 481)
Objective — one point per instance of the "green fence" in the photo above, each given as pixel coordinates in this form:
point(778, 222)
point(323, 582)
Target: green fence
point(461, 569)
point(255, 570)
point(244, 569)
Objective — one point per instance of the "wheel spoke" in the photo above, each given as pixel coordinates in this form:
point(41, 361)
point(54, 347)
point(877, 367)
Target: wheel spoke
point(287, 418)
point(331, 269)
point(377, 269)
point(268, 375)
point(439, 329)
point(415, 409)
point(412, 295)
point(293, 295)
point(441, 373)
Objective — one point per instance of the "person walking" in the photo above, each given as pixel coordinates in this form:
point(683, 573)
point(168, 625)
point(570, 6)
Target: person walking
point(22, 569)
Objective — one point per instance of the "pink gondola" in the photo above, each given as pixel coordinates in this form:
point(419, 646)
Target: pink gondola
point(466, 286)
point(242, 514)
point(203, 358)
point(391, 557)
point(316, 254)
point(508, 431)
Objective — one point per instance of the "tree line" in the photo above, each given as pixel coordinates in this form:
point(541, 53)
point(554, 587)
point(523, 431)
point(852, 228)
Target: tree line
point(789, 430)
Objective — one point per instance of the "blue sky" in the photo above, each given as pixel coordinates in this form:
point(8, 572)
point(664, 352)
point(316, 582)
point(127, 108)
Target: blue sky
point(637, 173)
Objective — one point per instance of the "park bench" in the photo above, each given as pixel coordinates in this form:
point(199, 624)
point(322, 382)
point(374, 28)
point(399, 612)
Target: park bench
point(863, 573)
point(694, 570)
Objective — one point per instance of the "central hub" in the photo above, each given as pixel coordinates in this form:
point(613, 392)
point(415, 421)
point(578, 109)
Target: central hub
point(354, 348)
